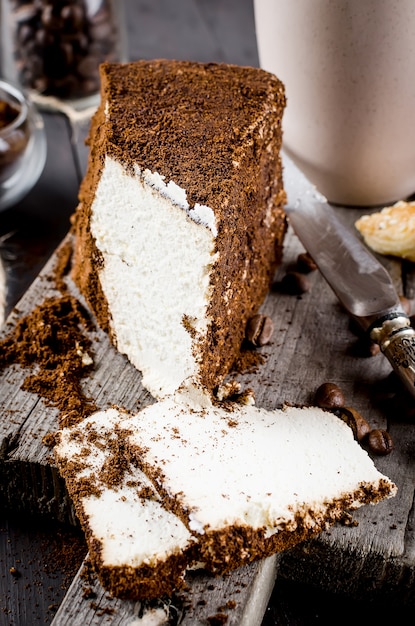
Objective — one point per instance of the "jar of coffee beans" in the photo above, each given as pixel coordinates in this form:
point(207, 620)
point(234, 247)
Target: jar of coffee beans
point(53, 48)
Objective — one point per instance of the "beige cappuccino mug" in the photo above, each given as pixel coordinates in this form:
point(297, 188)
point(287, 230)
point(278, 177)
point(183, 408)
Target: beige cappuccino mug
point(349, 71)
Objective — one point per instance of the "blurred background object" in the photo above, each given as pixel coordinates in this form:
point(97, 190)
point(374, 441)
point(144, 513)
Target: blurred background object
point(348, 69)
point(22, 145)
point(53, 48)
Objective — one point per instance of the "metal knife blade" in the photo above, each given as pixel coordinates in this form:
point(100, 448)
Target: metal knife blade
point(359, 280)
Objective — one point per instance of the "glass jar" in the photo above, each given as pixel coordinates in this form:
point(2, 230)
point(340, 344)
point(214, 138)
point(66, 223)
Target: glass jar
point(22, 145)
point(53, 48)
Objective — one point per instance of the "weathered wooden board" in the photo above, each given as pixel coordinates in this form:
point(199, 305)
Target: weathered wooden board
point(241, 598)
point(312, 344)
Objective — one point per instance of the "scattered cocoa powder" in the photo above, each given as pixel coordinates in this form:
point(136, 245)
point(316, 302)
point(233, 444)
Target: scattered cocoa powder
point(101, 611)
point(217, 620)
point(51, 340)
point(49, 440)
point(63, 265)
point(248, 361)
point(113, 470)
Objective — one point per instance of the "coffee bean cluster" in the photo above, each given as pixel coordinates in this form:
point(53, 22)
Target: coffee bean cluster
point(58, 45)
point(330, 396)
point(295, 281)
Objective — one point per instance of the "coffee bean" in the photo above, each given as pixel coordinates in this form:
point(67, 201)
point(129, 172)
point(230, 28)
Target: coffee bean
point(329, 396)
point(305, 263)
point(48, 19)
point(43, 38)
point(259, 330)
point(380, 442)
point(75, 15)
point(87, 66)
point(67, 54)
point(25, 34)
point(295, 283)
point(356, 421)
point(24, 13)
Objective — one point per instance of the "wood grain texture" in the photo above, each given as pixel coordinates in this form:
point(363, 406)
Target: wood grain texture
point(240, 597)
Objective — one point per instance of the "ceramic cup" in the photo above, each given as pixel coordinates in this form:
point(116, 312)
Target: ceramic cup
point(349, 71)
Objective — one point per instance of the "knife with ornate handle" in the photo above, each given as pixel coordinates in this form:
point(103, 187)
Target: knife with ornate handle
point(358, 279)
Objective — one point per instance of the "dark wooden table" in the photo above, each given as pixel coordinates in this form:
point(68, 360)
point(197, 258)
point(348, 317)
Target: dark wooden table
point(39, 558)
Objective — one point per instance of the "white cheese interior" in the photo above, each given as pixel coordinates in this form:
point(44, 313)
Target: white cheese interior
point(247, 467)
point(158, 254)
point(131, 529)
point(252, 466)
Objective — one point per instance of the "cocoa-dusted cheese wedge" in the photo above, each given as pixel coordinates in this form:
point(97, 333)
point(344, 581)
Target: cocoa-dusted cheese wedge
point(180, 223)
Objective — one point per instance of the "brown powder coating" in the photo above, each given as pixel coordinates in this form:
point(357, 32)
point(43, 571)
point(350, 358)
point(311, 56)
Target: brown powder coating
point(215, 130)
point(51, 341)
point(63, 265)
point(145, 582)
point(127, 582)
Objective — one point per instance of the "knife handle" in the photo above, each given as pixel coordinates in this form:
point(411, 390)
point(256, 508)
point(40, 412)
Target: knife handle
point(396, 339)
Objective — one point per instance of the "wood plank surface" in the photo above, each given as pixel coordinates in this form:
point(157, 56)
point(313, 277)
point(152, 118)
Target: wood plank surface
point(241, 598)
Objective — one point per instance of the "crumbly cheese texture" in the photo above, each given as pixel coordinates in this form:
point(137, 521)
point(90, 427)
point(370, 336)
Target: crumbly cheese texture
point(390, 231)
point(125, 522)
point(180, 224)
point(158, 254)
point(214, 486)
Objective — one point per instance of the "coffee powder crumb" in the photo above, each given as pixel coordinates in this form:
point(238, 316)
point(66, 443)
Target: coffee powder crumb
point(231, 604)
point(348, 520)
point(88, 593)
point(113, 469)
point(248, 361)
point(63, 265)
point(101, 611)
point(49, 440)
point(51, 340)
point(217, 620)
point(8, 113)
